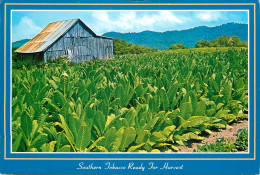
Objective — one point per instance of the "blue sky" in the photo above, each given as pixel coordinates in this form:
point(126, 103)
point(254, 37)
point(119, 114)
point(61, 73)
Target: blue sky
point(26, 24)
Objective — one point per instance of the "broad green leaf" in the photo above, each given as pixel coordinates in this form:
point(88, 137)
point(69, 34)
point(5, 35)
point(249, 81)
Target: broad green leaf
point(174, 114)
point(130, 117)
point(68, 132)
point(164, 99)
point(74, 124)
point(38, 141)
point(118, 140)
point(175, 148)
point(135, 148)
point(104, 107)
point(219, 106)
point(143, 137)
point(48, 147)
point(109, 138)
point(162, 144)
point(121, 122)
point(43, 119)
point(94, 144)
point(201, 109)
point(168, 130)
point(180, 142)
point(84, 137)
point(128, 136)
point(99, 122)
point(139, 90)
point(84, 97)
point(79, 107)
point(88, 117)
point(33, 150)
point(195, 121)
point(186, 110)
point(189, 136)
point(100, 149)
point(16, 143)
point(54, 85)
point(208, 131)
point(155, 150)
point(157, 137)
point(178, 121)
point(239, 84)
point(110, 118)
point(34, 128)
point(221, 113)
point(59, 99)
point(218, 125)
point(227, 92)
point(26, 125)
point(66, 110)
point(65, 148)
point(194, 100)
point(151, 124)
point(172, 91)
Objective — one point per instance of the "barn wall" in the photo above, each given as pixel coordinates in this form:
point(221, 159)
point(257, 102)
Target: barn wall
point(104, 48)
point(80, 45)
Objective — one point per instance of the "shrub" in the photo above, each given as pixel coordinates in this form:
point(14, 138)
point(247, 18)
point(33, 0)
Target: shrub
point(177, 46)
point(221, 145)
point(242, 139)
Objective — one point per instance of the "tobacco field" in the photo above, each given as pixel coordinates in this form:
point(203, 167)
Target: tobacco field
point(132, 103)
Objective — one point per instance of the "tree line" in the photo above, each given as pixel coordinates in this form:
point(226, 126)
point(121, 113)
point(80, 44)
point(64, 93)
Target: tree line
point(222, 41)
point(122, 47)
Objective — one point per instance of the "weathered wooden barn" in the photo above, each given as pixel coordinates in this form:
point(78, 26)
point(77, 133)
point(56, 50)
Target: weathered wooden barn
point(72, 38)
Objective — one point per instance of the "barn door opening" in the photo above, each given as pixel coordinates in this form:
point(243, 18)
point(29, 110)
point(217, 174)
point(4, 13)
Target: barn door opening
point(69, 54)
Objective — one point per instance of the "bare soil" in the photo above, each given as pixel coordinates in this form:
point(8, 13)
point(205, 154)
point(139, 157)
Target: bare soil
point(229, 134)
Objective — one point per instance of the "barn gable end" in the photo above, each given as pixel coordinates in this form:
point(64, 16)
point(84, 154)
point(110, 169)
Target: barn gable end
point(77, 42)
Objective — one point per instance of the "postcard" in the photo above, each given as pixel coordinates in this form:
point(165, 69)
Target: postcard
point(129, 87)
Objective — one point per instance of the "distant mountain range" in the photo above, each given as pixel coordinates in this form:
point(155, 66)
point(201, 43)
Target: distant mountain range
point(188, 37)
point(163, 40)
point(20, 42)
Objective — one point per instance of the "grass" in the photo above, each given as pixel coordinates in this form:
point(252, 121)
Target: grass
point(222, 145)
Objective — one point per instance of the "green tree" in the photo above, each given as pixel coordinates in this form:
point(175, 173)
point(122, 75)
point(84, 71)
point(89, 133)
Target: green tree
point(122, 47)
point(177, 46)
point(154, 50)
point(242, 44)
point(230, 42)
point(236, 41)
point(214, 43)
point(203, 43)
point(223, 40)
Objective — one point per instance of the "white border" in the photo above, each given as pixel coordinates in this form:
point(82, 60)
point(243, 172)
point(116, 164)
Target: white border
point(144, 153)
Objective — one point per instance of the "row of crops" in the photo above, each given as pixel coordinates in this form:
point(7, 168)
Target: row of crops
point(133, 103)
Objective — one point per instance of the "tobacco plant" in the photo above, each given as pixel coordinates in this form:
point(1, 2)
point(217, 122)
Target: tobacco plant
point(135, 103)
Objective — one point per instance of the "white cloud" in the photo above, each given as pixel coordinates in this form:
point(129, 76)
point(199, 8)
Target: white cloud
point(208, 16)
point(128, 20)
point(101, 15)
point(169, 16)
point(28, 28)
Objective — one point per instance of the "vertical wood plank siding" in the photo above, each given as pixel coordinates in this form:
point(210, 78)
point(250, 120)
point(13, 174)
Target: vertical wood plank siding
point(80, 45)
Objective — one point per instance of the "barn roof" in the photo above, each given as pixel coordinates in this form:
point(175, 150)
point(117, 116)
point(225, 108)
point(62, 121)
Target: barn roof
point(51, 33)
